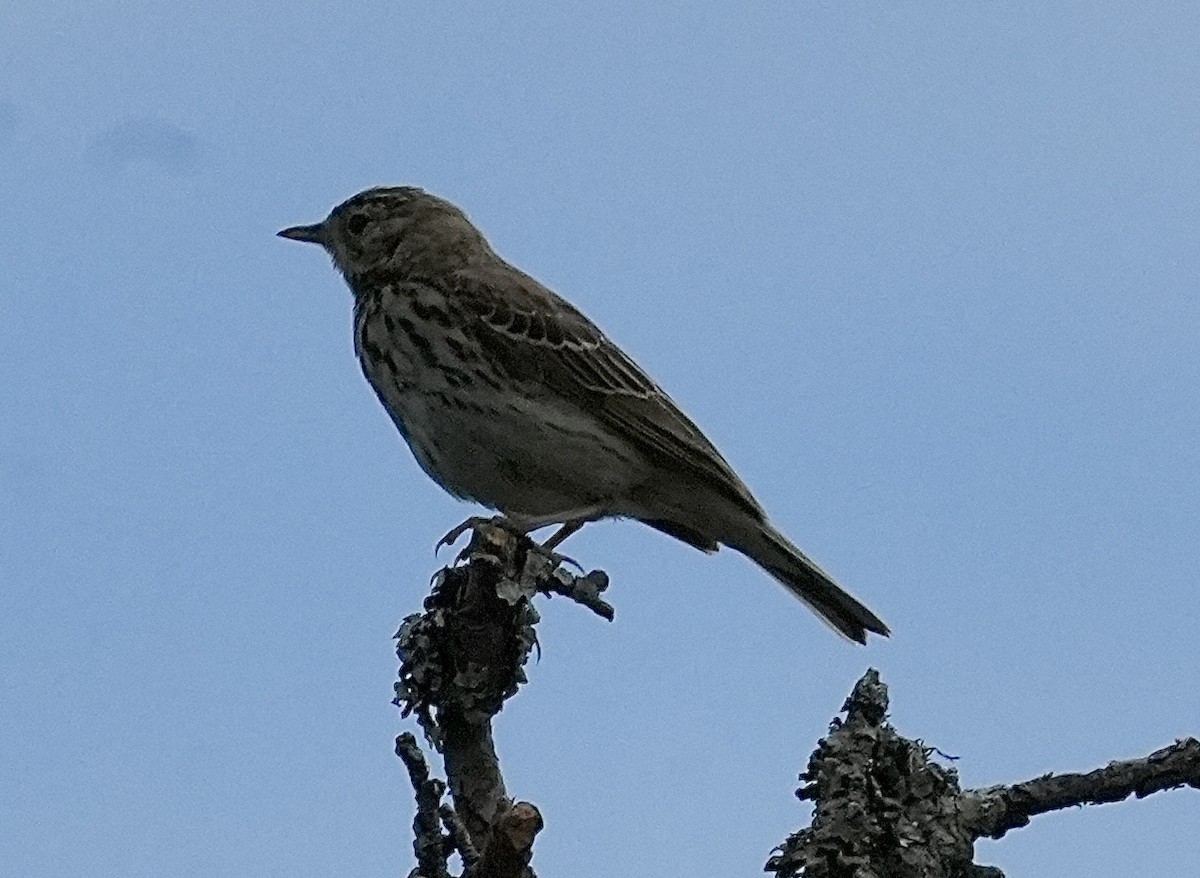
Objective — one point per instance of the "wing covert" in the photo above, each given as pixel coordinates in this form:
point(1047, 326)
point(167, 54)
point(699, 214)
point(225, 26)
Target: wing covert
point(535, 335)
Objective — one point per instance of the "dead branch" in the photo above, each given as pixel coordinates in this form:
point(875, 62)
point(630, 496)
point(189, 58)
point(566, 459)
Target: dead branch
point(882, 808)
point(461, 659)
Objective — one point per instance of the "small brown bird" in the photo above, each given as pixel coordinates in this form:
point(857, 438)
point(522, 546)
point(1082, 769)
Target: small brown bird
point(510, 397)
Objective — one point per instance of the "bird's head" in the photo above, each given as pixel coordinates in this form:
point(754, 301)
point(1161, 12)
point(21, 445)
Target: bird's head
point(397, 230)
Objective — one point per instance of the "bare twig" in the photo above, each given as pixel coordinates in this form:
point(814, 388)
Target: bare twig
point(428, 843)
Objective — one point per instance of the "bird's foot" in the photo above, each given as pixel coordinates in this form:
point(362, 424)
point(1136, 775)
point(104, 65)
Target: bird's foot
point(478, 523)
point(568, 528)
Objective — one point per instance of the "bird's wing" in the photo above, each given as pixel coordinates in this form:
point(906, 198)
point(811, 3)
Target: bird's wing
point(535, 335)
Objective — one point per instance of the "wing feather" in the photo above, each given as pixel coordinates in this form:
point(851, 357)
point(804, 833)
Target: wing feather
point(535, 335)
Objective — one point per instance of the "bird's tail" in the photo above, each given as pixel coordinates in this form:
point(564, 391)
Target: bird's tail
point(772, 551)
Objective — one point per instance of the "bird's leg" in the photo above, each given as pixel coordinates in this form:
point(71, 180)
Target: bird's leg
point(563, 533)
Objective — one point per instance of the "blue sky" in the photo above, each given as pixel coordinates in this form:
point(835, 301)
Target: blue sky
point(928, 275)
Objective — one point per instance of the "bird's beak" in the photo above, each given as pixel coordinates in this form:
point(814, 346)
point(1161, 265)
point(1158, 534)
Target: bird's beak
point(314, 234)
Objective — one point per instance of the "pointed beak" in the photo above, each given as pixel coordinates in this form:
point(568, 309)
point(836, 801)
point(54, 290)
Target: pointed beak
point(314, 234)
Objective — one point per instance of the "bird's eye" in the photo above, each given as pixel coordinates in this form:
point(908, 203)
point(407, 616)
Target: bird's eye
point(357, 223)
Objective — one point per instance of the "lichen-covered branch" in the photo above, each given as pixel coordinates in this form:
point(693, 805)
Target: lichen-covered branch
point(584, 590)
point(882, 808)
point(461, 659)
point(995, 810)
point(428, 842)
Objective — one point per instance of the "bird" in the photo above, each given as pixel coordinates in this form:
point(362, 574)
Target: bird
point(508, 396)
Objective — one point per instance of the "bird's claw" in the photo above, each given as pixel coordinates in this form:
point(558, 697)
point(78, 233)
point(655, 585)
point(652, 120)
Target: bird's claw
point(554, 558)
point(451, 536)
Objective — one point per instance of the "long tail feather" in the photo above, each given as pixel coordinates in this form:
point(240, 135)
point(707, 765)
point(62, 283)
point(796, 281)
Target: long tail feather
point(773, 552)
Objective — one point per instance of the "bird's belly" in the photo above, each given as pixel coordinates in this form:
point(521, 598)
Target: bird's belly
point(509, 444)
point(519, 455)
